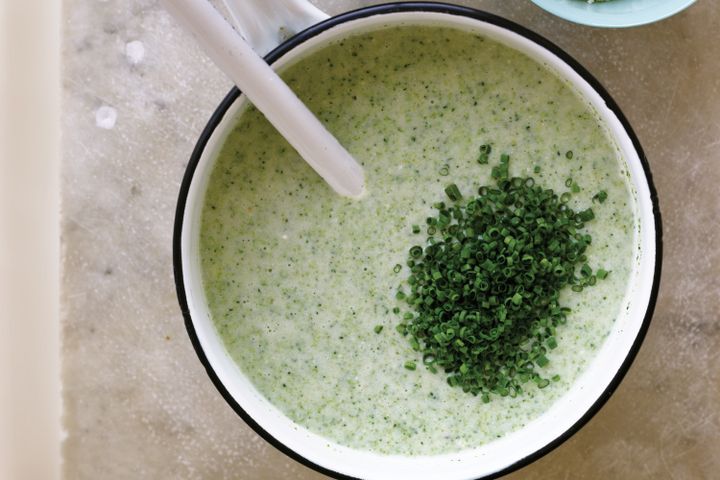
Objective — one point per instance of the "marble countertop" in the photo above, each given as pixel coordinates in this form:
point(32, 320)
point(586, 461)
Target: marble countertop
point(138, 404)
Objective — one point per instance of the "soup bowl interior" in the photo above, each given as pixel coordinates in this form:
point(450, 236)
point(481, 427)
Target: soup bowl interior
point(566, 415)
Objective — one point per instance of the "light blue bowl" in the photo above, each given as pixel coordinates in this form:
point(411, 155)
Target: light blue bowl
point(614, 13)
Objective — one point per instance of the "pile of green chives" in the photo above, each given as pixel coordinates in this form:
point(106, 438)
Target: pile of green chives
point(484, 289)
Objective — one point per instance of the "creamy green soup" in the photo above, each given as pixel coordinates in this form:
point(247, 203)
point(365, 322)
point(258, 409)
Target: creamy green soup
point(297, 277)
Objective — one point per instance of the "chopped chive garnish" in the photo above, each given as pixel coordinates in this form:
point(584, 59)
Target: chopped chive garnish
point(453, 192)
point(586, 215)
point(536, 169)
point(569, 154)
point(444, 171)
point(484, 156)
point(601, 196)
point(568, 182)
point(542, 360)
point(484, 291)
point(585, 270)
point(416, 229)
point(378, 328)
point(397, 268)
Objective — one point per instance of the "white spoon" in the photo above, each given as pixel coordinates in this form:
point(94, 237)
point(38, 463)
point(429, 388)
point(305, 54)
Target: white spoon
point(265, 24)
point(267, 91)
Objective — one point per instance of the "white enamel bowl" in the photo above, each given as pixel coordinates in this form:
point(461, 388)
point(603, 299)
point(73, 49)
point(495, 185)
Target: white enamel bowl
point(567, 415)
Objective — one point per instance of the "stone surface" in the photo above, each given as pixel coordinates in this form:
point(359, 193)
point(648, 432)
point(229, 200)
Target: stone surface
point(137, 93)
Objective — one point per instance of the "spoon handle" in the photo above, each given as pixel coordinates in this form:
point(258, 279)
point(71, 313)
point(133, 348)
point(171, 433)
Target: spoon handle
point(265, 23)
point(270, 95)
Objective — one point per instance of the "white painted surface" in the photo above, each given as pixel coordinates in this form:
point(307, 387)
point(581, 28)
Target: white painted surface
point(29, 240)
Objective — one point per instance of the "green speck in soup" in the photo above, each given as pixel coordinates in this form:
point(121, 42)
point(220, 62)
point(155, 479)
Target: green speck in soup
point(299, 280)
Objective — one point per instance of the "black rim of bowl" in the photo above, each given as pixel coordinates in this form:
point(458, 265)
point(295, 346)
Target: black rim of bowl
point(394, 8)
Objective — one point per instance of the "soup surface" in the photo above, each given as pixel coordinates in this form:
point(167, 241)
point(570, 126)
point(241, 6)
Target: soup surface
point(296, 277)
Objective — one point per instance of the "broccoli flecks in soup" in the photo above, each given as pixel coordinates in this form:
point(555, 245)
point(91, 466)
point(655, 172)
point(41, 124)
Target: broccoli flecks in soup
point(298, 278)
